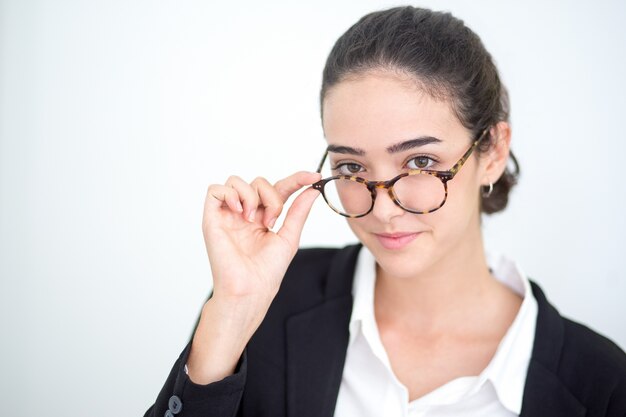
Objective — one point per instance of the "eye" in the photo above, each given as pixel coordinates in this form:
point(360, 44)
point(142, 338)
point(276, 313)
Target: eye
point(347, 168)
point(420, 162)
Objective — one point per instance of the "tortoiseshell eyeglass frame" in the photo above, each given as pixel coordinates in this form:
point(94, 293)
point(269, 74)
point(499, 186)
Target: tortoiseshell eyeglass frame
point(444, 177)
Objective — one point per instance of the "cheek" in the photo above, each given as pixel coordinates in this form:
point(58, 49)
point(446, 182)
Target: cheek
point(357, 226)
point(459, 211)
point(462, 201)
point(464, 192)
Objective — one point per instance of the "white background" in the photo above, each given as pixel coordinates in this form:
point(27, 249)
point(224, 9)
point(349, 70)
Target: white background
point(116, 115)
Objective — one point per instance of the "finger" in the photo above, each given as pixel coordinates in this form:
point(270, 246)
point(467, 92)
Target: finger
point(287, 186)
point(270, 200)
point(248, 196)
point(219, 195)
point(296, 216)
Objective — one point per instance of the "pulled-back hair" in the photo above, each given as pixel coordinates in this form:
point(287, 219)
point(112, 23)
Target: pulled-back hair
point(447, 61)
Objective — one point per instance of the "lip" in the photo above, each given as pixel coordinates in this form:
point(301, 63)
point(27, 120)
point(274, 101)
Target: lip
point(396, 241)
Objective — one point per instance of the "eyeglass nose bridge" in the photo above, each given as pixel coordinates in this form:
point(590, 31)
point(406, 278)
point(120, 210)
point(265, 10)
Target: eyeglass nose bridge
point(372, 186)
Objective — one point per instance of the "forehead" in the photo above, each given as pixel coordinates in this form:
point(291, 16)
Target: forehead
point(375, 110)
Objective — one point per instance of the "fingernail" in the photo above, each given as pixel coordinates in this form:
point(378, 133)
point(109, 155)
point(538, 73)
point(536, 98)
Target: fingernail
point(239, 207)
point(271, 223)
point(251, 216)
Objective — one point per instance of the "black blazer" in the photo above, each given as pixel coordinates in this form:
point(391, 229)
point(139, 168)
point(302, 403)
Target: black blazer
point(293, 364)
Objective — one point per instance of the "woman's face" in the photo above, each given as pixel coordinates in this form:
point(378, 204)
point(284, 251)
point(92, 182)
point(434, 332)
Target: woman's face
point(371, 113)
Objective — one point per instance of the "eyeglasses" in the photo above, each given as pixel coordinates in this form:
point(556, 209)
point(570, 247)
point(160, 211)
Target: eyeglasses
point(417, 191)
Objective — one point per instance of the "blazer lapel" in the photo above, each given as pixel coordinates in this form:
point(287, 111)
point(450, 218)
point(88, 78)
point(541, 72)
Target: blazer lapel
point(544, 393)
point(316, 349)
point(317, 341)
point(546, 396)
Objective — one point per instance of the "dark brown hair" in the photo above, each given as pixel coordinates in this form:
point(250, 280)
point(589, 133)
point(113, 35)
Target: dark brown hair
point(444, 57)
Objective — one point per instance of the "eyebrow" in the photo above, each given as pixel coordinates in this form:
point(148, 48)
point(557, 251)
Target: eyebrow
point(395, 148)
point(412, 143)
point(345, 149)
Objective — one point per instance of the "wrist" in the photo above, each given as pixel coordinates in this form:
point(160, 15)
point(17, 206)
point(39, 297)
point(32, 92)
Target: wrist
point(238, 312)
point(225, 328)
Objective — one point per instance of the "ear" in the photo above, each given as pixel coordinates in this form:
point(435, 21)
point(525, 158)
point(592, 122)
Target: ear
point(495, 160)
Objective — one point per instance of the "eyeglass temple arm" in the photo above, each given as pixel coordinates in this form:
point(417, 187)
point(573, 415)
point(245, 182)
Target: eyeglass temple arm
point(319, 167)
point(467, 154)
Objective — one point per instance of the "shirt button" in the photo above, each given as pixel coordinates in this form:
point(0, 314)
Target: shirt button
point(175, 405)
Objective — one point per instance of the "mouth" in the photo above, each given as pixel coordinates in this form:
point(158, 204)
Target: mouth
point(395, 241)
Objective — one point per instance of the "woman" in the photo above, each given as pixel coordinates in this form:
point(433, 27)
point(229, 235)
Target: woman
point(413, 320)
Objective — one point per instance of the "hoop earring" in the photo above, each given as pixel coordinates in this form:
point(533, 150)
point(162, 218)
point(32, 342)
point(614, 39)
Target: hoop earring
point(488, 193)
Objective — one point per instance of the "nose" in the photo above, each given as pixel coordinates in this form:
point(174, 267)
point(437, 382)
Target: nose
point(384, 207)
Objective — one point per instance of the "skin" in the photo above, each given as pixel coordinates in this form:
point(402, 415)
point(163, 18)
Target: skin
point(439, 311)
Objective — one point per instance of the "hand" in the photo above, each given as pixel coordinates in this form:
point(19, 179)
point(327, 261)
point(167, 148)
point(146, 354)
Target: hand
point(248, 259)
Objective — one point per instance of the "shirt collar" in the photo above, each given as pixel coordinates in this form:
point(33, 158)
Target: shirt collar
point(507, 369)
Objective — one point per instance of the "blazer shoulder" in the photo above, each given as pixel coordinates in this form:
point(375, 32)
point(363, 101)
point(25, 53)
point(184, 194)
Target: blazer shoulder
point(308, 268)
point(568, 344)
point(588, 343)
point(313, 256)
point(317, 274)
point(586, 349)
point(595, 367)
point(573, 369)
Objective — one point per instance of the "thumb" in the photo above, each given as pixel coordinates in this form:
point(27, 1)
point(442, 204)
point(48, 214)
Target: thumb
point(296, 216)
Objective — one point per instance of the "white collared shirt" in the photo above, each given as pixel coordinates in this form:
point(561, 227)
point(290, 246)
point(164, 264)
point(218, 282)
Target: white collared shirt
point(369, 388)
